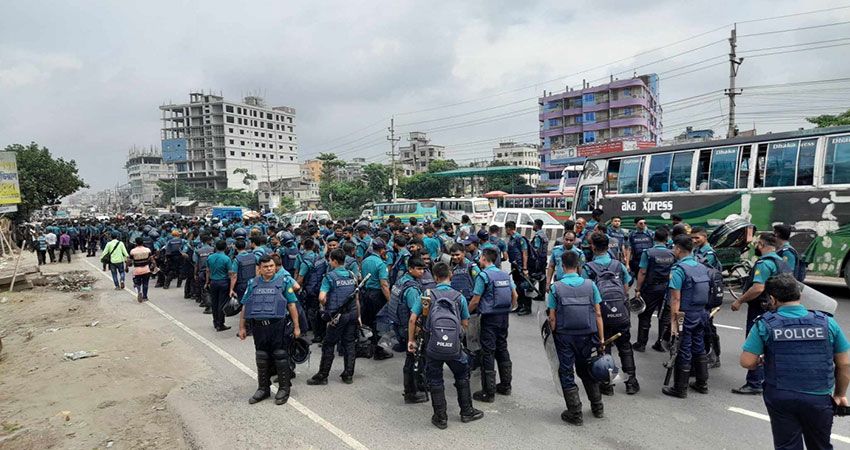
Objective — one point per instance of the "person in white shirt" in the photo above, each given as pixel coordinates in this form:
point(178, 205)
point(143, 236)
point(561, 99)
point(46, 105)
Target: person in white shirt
point(51, 245)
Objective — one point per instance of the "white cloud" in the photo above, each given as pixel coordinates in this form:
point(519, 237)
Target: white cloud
point(19, 68)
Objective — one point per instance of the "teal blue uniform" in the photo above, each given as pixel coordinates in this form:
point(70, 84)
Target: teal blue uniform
point(677, 275)
point(644, 257)
point(482, 279)
point(433, 246)
point(411, 296)
point(604, 260)
point(373, 265)
point(219, 265)
point(327, 285)
point(789, 257)
point(570, 279)
point(711, 258)
point(555, 258)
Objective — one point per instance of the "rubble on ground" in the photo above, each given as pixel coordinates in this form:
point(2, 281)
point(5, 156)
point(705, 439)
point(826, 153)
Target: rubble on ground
point(72, 281)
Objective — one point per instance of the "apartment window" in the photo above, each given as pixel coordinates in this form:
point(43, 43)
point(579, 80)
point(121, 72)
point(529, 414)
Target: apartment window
point(589, 117)
point(627, 111)
point(263, 145)
point(228, 108)
point(256, 133)
point(277, 117)
point(241, 131)
point(277, 126)
point(257, 144)
point(280, 147)
point(292, 158)
point(241, 142)
point(230, 130)
point(232, 153)
point(280, 136)
point(271, 156)
point(290, 148)
point(290, 138)
point(231, 141)
point(627, 131)
point(262, 134)
point(239, 120)
point(553, 122)
point(264, 156)
point(238, 110)
point(627, 92)
point(243, 154)
point(269, 115)
point(290, 119)
point(269, 126)
point(589, 136)
point(588, 99)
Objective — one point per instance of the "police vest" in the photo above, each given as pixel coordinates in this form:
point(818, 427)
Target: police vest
point(695, 287)
point(147, 241)
point(173, 246)
point(266, 300)
point(497, 296)
point(247, 267)
point(289, 256)
point(659, 263)
point(462, 279)
point(343, 287)
point(515, 249)
point(781, 267)
point(615, 242)
point(397, 307)
point(427, 281)
point(351, 265)
point(639, 241)
point(539, 266)
point(798, 355)
point(313, 279)
point(203, 254)
point(575, 313)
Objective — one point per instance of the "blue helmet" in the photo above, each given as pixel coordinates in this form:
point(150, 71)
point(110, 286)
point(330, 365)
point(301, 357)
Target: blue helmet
point(287, 239)
point(603, 368)
point(147, 229)
point(240, 233)
point(153, 234)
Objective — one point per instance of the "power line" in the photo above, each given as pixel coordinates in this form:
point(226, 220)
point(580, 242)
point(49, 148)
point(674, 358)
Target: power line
point(788, 30)
point(793, 15)
point(798, 50)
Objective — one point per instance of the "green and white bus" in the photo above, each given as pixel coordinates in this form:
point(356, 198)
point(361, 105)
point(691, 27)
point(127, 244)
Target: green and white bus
point(422, 210)
point(801, 178)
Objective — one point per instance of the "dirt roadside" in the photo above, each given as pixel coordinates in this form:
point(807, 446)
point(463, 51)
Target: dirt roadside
point(114, 400)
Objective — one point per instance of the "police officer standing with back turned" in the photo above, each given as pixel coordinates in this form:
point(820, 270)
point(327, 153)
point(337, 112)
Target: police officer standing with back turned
point(268, 300)
point(755, 296)
point(651, 285)
point(375, 293)
point(688, 294)
point(805, 361)
point(576, 321)
point(494, 296)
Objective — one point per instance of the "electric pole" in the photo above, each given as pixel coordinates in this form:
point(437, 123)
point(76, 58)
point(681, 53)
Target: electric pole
point(734, 64)
point(393, 140)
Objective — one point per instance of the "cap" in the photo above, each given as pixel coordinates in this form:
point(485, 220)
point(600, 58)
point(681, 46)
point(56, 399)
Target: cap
point(483, 234)
point(471, 239)
point(378, 244)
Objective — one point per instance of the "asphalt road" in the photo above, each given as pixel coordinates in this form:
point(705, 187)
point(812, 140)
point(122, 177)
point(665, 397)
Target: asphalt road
point(371, 413)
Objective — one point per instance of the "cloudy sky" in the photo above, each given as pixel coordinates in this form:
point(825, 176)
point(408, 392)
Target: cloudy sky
point(85, 78)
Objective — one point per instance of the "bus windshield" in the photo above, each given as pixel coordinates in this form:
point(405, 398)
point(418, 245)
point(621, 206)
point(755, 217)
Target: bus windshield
point(482, 206)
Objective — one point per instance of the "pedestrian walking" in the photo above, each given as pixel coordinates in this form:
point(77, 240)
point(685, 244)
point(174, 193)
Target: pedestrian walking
point(142, 260)
point(65, 246)
point(114, 254)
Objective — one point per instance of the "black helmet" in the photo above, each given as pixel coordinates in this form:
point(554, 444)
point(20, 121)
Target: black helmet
point(147, 229)
point(232, 307)
point(299, 350)
point(240, 233)
point(603, 368)
point(636, 305)
point(153, 234)
point(287, 238)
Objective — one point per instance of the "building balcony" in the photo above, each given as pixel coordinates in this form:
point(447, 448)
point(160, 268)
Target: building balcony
point(629, 101)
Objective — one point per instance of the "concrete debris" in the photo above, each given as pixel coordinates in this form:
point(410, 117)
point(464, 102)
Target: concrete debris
point(73, 281)
point(94, 323)
point(73, 356)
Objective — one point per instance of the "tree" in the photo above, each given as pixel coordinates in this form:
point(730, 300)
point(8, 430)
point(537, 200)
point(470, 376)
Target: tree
point(378, 181)
point(43, 180)
point(827, 120)
point(168, 187)
point(247, 178)
point(442, 166)
point(507, 182)
point(330, 167)
point(287, 204)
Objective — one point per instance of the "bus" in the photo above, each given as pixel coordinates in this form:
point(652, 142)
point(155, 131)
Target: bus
point(556, 204)
point(422, 210)
point(453, 209)
point(801, 178)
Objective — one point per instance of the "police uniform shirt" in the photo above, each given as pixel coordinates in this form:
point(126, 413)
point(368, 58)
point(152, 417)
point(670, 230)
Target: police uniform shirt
point(327, 283)
point(303, 269)
point(354, 266)
point(362, 247)
point(788, 256)
point(218, 264)
point(605, 261)
point(375, 266)
point(288, 291)
point(711, 259)
point(677, 275)
point(474, 257)
point(433, 246)
point(765, 268)
point(522, 245)
point(195, 255)
point(758, 338)
point(644, 257)
point(411, 295)
point(464, 308)
point(574, 280)
point(555, 259)
point(500, 244)
point(482, 279)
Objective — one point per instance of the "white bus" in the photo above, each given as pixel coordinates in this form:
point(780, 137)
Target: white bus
point(453, 209)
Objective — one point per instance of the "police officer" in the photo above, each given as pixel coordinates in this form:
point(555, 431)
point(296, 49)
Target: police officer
point(494, 296)
point(268, 300)
point(540, 244)
point(337, 286)
point(464, 272)
point(404, 298)
point(473, 253)
point(805, 361)
point(637, 241)
point(688, 294)
point(288, 251)
point(616, 238)
point(706, 255)
point(400, 260)
point(352, 264)
point(173, 258)
point(782, 233)
point(375, 293)
point(218, 283)
point(199, 260)
point(365, 242)
point(652, 280)
point(518, 256)
point(447, 307)
point(576, 321)
point(755, 296)
point(242, 270)
point(310, 274)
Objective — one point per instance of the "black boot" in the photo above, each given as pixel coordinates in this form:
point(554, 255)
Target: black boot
point(701, 373)
point(715, 347)
point(179, 282)
point(281, 362)
point(348, 366)
point(438, 401)
point(572, 414)
point(627, 359)
point(505, 378)
point(595, 397)
point(167, 283)
point(488, 387)
point(321, 378)
point(264, 373)
point(606, 389)
point(642, 339)
point(411, 393)
point(680, 382)
point(464, 398)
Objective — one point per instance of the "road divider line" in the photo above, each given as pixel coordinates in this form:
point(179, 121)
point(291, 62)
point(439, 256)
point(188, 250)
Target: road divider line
point(340, 434)
point(730, 327)
point(766, 418)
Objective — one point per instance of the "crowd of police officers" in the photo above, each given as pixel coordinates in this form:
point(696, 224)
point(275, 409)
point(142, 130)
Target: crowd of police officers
point(433, 292)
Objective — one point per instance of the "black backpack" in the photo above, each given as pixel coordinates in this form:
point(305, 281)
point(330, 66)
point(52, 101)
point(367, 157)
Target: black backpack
point(609, 281)
point(800, 267)
point(444, 342)
point(715, 277)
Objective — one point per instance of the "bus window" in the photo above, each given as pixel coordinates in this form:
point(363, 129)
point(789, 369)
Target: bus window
point(482, 206)
point(781, 164)
point(587, 199)
point(511, 217)
point(612, 177)
point(466, 206)
point(806, 163)
point(548, 203)
point(659, 173)
point(702, 169)
point(525, 220)
point(560, 203)
point(744, 167)
point(723, 165)
point(630, 176)
point(837, 164)
point(537, 202)
point(761, 162)
point(680, 174)
point(499, 218)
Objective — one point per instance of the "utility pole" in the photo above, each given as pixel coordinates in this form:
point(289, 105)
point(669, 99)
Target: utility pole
point(393, 140)
point(734, 64)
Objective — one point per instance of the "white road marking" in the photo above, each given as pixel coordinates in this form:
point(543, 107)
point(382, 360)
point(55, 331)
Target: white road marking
point(728, 326)
point(765, 417)
point(342, 435)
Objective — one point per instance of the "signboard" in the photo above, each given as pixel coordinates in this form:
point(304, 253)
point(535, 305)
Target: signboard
point(612, 147)
point(10, 189)
point(560, 153)
point(8, 209)
point(173, 150)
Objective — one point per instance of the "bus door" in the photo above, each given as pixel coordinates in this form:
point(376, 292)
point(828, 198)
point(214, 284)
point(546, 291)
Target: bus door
point(586, 200)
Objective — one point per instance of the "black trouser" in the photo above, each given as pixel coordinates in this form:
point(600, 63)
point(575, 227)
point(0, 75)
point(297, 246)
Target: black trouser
point(173, 266)
point(654, 301)
point(65, 251)
point(624, 346)
point(522, 300)
point(219, 294)
point(42, 256)
point(51, 251)
point(346, 332)
point(198, 289)
point(91, 249)
point(494, 340)
point(311, 306)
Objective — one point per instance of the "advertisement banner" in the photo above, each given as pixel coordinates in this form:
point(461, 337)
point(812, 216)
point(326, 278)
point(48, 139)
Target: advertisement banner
point(10, 189)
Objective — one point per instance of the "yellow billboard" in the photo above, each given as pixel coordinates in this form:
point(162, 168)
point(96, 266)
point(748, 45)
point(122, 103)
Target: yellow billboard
point(10, 189)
